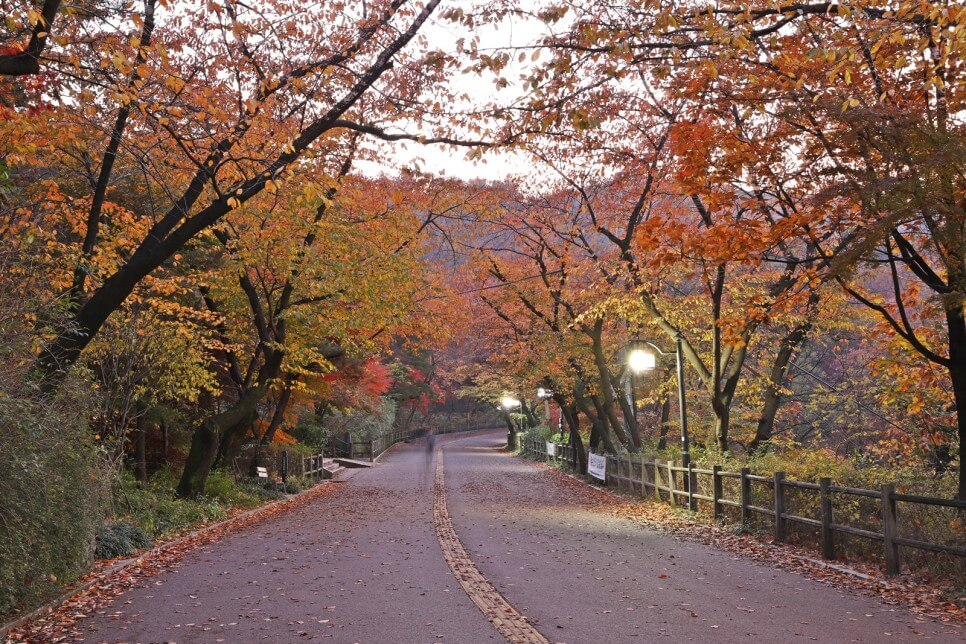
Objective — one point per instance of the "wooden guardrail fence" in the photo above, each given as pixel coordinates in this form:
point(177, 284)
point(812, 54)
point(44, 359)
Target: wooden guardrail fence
point(312, 466)
point(669, 482)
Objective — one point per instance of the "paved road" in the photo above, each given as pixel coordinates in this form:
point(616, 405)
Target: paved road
point(363, 565)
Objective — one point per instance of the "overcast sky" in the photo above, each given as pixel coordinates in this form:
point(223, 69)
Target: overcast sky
point(450, 162)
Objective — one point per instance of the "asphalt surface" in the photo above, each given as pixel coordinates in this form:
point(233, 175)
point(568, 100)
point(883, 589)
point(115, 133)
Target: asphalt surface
point(363, 564)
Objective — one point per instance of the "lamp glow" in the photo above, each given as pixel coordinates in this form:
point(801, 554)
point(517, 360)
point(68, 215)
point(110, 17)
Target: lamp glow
point(640, 360)
point(508, 402)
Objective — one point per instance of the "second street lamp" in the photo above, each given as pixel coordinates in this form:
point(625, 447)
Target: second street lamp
point(544, 395)
point(640, 360)
point(508, 403)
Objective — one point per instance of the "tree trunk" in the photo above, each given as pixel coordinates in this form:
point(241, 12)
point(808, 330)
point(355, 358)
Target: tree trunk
point(573, 424)
point(627, 411)
point(165, 441)
point(280, 407)
point(141, 464)
point(956, 325)
point(208, 436)
point(598, 423)
point(530, 418)
point(791, 342)
point(510, 427)
point(722, 422)
point(232, 441)
point(665, 418)
point(608, 408)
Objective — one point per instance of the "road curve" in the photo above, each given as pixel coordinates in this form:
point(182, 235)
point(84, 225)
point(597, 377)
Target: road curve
point(364, 564)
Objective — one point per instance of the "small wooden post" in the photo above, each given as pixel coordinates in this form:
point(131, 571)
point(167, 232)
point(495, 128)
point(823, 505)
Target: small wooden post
point(745, 496)
point(780, 522)
point(643, 477)
point(717, 490)
point(657, 480)
point(692, 484)
point(672, 497)
point(828, 543)
point(631, 487)
point(890, 529)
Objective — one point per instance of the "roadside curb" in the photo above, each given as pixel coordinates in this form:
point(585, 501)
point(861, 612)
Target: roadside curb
point(244, 518)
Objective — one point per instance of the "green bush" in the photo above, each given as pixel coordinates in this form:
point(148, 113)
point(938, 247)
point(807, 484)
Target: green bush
point(154, 508)
point(310, 432)
point(120, 540)
point(544, 433)
point(50, 498)
point(362, 424)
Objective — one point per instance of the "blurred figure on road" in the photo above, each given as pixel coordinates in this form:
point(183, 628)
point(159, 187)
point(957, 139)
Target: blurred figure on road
point(430, 448)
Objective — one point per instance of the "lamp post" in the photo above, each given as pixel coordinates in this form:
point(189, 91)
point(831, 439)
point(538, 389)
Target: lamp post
point(508, 403)
point(640, 360)
point(544, 395)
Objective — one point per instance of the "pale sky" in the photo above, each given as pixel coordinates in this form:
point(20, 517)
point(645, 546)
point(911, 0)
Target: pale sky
point(450, 162)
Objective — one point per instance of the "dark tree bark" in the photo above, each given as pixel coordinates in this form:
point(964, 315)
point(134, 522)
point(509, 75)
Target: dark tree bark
point(165, 440)
point(279, 414)
point(140, 449)
point(173, 230)
point(208, 436)
point(27, 61)
point(107, 165)
point(573, 424)
point(608, 406)
point(529, 415)
point(599, 431)
point(776, 377)
point(956, 325)
point(662, 428)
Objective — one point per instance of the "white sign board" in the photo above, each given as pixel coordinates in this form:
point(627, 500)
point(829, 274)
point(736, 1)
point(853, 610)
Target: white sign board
point(597, 466)
point(551, 449)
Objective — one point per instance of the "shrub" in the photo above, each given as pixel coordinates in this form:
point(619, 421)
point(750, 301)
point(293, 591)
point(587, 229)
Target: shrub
point(119, 540)
point(544, 433)
point(154, 508)
point(362, 424)
point(50, 498)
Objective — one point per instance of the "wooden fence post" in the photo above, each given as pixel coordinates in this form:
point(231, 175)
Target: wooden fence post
point(657, 480)
point(745, 496)
point(643, 477)
point(672, 497)
point(780, 522)
point(890, 529)
point(630, 472)
point(692, 484)
point(716, 490)
point(828, 543)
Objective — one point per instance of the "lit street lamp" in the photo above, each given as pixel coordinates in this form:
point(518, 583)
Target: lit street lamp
point(544, 395)
point(640, 360)
point(509, 403)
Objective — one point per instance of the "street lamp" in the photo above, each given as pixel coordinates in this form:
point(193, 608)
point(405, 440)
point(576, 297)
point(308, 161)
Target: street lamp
point(545, 395)
point(640, 360)
point(509, 403)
